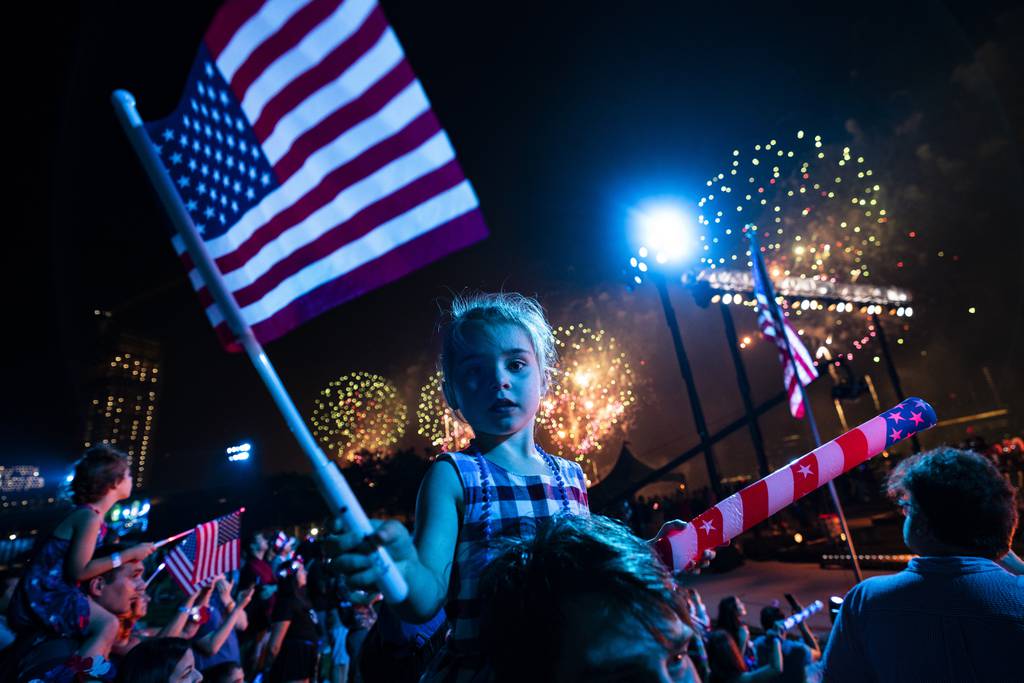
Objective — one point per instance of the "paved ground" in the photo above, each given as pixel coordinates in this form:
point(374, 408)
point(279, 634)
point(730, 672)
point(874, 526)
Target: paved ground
point(758, 583)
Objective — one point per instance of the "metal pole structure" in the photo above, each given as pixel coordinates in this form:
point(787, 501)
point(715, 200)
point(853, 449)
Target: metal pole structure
point(336, 491)
point(744, 383)
point(691, 387)
point(891, 367)
point(780, 331)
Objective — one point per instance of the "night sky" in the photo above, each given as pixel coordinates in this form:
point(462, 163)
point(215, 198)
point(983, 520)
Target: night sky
point(563, 116)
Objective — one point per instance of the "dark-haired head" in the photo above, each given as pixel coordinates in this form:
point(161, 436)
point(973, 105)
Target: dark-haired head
point(956, 502)
point(225, 672)
point(578, 597)
point(769, 615)
point(160, 660)
point(99, 470)
point(724, 657)
point(730, 615)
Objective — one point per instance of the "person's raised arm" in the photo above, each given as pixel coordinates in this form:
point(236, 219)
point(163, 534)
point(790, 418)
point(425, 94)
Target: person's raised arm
point(424, 561)
point(810, 641)
point(176, 625)
point(773, 668)
point(80, 565)
point(212, 642)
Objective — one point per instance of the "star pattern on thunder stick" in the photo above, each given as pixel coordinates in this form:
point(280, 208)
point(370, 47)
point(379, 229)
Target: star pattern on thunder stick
point(896, 434)
point(707, 526)
point(916, 419)
point(805, 470)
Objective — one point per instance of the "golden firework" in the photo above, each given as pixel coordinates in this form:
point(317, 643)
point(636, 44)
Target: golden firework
point(357, 412)
point(438, 422)
point(592, 396)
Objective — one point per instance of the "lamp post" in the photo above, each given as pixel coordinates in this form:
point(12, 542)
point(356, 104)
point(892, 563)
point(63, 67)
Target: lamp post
point(664, 235)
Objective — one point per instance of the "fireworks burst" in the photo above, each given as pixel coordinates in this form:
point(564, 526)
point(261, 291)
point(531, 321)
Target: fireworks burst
point(437, 422)
point(358, 411)
point(820, 216)
point(593, 396)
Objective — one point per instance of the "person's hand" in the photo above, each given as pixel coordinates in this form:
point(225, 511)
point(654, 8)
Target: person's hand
point(140, 551)
point(224, 588)
point(354, 554)
point(204, 594)
point(695, 597)
point(244, 597)
point(677, 525)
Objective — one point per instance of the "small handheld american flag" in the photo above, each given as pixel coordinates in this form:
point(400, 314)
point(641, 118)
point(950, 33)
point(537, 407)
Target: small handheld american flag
point(770, 319)
point(307, 156)
point(212, 548)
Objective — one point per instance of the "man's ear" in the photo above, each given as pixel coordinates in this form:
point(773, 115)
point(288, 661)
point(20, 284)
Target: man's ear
point(94, 586)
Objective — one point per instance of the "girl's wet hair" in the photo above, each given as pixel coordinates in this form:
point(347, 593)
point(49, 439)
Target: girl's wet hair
point(494, 308)
point(98, 470)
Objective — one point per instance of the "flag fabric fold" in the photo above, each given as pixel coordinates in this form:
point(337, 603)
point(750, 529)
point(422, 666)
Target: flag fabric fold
point(786, 339)
point(308, 157)
point(212, 548)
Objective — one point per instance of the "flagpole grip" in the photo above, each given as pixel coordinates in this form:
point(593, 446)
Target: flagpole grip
point(336, 491)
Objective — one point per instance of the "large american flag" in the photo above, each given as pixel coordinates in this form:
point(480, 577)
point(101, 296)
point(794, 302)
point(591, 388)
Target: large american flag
point(307, 154)
point(766, 320)
point(212, 548)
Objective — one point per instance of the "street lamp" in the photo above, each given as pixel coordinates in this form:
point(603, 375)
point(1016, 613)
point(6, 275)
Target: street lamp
point(664, 233)
point(239, 453)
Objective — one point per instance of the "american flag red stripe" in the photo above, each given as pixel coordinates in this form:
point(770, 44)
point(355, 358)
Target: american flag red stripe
point(306, 152)
point(212, 548)
point(757, 502)
point(786, 340)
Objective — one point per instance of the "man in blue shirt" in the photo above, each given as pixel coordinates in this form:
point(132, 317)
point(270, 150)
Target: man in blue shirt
point(796, 655)
point(953, 614)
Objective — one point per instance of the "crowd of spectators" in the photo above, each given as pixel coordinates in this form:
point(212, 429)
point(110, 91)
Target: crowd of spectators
point(581, 599)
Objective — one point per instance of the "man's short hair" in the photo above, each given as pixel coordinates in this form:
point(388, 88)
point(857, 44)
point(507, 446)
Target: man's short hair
point(522, 591)
point(769, 615)
point(961, 497)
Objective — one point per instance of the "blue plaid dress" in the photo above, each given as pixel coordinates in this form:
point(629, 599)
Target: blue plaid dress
point(496, 503)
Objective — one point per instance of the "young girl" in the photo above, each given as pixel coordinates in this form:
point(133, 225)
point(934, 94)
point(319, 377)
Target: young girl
point(497, 358)
point(48, 598)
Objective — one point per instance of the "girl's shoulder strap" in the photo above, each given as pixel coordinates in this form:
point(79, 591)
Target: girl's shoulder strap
point(465, 465)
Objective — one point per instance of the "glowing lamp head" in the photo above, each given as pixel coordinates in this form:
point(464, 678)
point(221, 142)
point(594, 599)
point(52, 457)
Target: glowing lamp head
point(665, 231)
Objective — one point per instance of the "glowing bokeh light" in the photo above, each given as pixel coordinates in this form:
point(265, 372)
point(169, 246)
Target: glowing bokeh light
point(356, 412)
point(592, 397)
point(437, 422)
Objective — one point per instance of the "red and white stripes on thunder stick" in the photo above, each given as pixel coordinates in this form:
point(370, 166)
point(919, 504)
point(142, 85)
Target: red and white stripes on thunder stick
point(764, 498)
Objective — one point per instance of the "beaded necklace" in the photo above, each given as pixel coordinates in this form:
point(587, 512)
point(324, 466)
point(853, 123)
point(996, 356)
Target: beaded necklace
point(487, 479)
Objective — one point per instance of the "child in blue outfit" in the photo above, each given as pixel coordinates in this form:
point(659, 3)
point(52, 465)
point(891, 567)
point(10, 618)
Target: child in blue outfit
point(48, 599)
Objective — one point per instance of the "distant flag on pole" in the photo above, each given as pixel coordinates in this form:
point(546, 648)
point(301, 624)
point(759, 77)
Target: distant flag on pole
point(768, 312)
point(212, 548)
point(307, 155)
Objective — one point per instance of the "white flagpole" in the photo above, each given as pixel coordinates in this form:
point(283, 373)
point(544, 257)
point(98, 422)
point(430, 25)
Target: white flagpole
point(780, 329)
point(332, 484)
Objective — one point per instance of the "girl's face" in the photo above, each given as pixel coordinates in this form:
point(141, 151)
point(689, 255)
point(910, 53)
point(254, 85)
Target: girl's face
point(186, 671)
point(124, 485)
point(497, 379)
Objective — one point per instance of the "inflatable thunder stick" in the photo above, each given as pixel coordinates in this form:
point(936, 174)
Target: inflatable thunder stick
point(764, 498)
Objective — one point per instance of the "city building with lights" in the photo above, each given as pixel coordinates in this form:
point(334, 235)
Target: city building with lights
point(123, 392)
